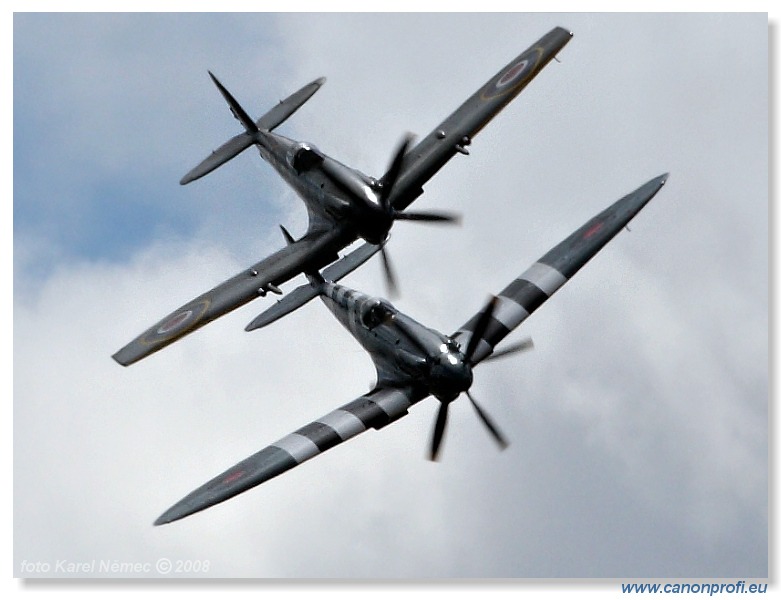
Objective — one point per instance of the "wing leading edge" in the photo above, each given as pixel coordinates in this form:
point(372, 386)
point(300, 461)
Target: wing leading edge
point(375, 410)
point(311, 251)
point(457, 130)
point(540, 281)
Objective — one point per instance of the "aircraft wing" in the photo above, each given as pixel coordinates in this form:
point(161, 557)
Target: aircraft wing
point(457, 131)
point(312, 251)
point(538, 283)
point(374, 410)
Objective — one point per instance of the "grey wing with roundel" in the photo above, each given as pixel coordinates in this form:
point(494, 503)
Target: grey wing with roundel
point(457, 131)
point(538, 283)
point(311, 251)
point(375, 410)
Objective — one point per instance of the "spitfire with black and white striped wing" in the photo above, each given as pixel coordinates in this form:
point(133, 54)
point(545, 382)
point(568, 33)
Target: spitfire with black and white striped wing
point(414, 361)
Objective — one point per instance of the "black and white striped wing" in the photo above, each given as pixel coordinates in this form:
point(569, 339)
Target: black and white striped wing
point(374, 410)
point(538, 283)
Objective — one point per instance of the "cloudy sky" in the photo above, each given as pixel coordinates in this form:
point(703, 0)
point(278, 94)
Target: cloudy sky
point(639, 425)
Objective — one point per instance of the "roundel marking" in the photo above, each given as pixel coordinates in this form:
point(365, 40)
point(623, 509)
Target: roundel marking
point(592, 230)
point(177, 323)
point(514, 77)
point(174, 322)
point(512, 73)
point(233, 476)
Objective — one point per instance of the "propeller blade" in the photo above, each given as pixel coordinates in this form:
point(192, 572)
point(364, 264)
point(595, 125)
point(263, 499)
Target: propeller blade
point(393, 172)
point(488, 423)
point(482, 324)
point(439, 430)
point(429, 217)
point(390, 278)
point(521, 346)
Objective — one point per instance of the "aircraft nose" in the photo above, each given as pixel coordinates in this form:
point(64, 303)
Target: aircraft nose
point(375, 224)
point(450, 377)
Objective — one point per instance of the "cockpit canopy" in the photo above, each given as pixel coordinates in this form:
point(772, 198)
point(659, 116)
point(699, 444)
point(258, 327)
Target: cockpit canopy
point(375, 313)
point(303, 157)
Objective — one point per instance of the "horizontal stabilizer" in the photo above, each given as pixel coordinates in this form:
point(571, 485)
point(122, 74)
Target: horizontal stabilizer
point(303, 294)
point(290, 302)
point(279, 114)
point(254, 130)
point(220, 156)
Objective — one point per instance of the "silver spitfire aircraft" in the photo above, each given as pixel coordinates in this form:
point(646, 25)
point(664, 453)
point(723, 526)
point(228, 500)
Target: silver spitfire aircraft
point(413, 361)
point(342, 203)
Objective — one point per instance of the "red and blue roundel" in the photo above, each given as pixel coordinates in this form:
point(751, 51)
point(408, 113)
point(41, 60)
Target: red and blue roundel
point(512, 73)
point(179, 322)
point(514, 76)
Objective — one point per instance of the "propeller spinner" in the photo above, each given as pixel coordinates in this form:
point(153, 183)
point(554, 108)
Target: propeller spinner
point(445, 399)
point(373, 213)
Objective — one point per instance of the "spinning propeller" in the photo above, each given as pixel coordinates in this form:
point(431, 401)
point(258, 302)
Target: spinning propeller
point(374, 214)
point(481, 325)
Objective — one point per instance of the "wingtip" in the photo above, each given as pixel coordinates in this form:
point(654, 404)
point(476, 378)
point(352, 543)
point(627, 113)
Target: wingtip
point(117, 356)
point(660, 180)
point(559, 28)
point(170, 516)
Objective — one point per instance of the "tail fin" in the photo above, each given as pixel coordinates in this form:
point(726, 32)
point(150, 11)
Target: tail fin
point(238, 112)
point(253, 130)
point(316, 280)
point(313, 275)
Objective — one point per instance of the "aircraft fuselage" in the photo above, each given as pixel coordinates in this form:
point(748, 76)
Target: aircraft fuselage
point(329, 205)
point(401, 348)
